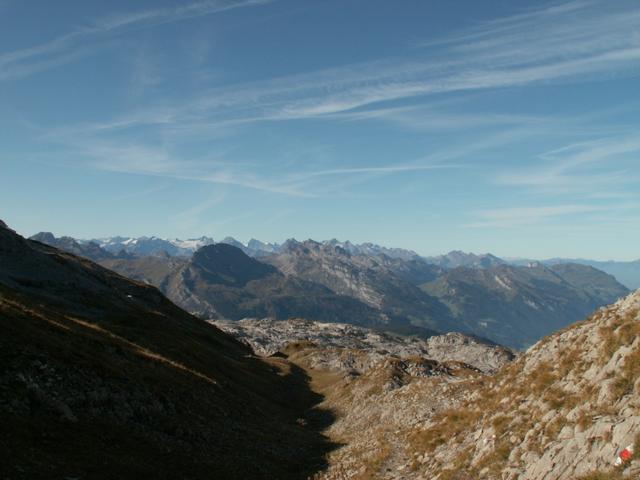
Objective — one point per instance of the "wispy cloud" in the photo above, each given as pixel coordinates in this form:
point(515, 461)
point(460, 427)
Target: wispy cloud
point(140, 159)
point(583, 167)
point(81, 42)
point(388, 169)
point(141, 193)
point(574, 40)
point(569, 41)
point(520, 216)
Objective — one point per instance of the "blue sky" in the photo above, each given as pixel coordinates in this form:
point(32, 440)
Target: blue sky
point(510, 127)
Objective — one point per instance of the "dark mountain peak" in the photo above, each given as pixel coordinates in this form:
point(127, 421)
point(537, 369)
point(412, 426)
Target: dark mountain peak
point(224, 263)
point(218, 253)
point(3, 225)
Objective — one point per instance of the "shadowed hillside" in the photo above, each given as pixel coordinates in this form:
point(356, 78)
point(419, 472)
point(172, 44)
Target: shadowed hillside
point(103, 377)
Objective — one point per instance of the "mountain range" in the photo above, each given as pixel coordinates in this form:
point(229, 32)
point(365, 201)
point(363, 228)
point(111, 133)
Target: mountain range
point(336, 282)
point(627, 273)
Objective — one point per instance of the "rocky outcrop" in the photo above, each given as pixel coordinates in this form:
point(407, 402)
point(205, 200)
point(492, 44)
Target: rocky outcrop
point(378, 385)
point(268, 336)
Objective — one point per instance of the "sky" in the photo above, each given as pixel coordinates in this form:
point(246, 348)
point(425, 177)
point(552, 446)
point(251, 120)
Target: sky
point(510, 127)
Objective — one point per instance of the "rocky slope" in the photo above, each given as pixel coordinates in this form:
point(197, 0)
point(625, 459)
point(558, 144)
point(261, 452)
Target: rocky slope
point(564, 410)
point(376, 384)
point(102, 377)
point(370, 279)
point(267, 337)
point(515, 306)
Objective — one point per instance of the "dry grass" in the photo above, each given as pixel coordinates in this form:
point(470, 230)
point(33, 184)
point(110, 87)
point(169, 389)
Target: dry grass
point(552, 429)
point(495, 460)
point(452, 423)
point(584, 420)
point(375, 460)
point(621, 332)
point(627, 375)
